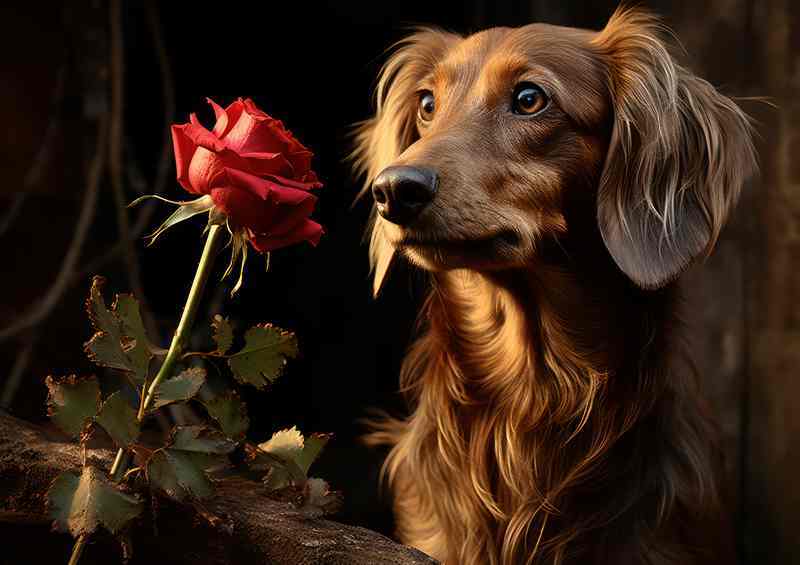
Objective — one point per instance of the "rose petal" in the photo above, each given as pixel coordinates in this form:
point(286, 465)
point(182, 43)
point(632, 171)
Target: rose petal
point(222, 119)
point(252, 109)
point(288, 216)
point(267, 189)
point(308, 230)
point(267, 163)
point(207, 169)
point(234, 112)
point(309, 183)
point(244, 209)
point(184, 149)
point(201, 136)
point(257, 132)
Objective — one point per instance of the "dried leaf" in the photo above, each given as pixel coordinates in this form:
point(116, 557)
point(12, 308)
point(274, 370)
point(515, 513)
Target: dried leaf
point(286, 444)
point(72, 401)
point(291, 445)
point(80, 504)
point(223, 333)
point(263, 357)
point(180, 388)
point(319, 499)
point(118, 418)
point(230, 413)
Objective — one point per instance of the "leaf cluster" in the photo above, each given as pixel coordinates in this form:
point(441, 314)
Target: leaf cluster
point(182, 467)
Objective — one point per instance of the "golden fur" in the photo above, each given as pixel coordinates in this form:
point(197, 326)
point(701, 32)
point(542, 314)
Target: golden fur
point(555, 419)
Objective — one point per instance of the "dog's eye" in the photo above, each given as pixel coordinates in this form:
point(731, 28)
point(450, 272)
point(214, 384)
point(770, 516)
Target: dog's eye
point(528, 99)
point(427, 105)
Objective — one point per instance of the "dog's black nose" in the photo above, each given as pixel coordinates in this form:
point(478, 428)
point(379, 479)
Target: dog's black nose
point(402, 192)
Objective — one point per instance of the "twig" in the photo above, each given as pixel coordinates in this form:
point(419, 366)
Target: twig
point(165, 160)
point(45, 305)
point(15, 377)
point(115, 146)
point(40, 161)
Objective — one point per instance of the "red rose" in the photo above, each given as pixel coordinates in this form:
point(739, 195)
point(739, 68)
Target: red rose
point(255, 171)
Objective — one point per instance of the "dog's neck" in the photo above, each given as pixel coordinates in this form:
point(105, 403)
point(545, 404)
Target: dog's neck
point(534, 387)
point(529, 329)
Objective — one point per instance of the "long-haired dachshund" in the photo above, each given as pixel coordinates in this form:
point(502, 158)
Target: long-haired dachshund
point(555, 182)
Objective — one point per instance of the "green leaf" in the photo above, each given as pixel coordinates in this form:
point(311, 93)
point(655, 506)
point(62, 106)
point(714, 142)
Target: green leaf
point(80, 504)
point(179, 469)
point(135, 342)
point(177, 474)
point(278, 477)
point(230, 413)
point(180, 388)
point(201, 440)
point(71, 401)
point(223, 333)
point(312, 447)
point(280, 457)
point(263, 357)
point(118, 418)
point(120, 341)
point(105, 346)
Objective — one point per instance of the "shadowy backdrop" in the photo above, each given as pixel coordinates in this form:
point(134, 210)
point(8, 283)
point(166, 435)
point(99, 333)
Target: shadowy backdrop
point(313, 65)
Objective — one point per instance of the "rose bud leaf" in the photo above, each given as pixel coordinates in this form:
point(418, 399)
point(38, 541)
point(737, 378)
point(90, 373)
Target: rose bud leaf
point(79, 505)
point(262, 359)
point(184, 211)
point(118, 418)
point(180, 388)
point(72, 401)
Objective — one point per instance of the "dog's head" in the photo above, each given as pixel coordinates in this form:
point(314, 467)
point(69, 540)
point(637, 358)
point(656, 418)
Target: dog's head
point(478, 142)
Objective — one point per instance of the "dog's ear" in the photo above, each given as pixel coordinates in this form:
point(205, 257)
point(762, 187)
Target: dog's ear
point(380, 140)
point(678, 155)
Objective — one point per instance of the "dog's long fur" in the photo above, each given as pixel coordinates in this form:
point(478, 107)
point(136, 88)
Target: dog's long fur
point(555, 419)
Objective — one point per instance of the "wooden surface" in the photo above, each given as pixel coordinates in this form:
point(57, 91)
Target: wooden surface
point(255, 528)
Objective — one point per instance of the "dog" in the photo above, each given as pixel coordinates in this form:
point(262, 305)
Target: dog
point(554, 183)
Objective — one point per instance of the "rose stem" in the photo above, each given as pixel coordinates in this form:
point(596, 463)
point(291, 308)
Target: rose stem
point(179, 342)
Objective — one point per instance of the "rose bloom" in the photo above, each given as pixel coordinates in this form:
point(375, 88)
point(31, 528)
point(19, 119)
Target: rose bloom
point(255, 171)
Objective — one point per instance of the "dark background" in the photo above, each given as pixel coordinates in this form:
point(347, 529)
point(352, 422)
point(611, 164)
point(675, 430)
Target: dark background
point(313, 65)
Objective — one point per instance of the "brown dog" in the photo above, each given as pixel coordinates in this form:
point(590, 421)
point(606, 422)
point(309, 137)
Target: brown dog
point(555, 182)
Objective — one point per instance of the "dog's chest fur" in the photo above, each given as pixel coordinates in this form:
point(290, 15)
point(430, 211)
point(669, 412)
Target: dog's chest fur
point(517, 450)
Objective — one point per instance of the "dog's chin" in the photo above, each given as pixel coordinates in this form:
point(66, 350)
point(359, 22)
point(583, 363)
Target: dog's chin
point(490, 252)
